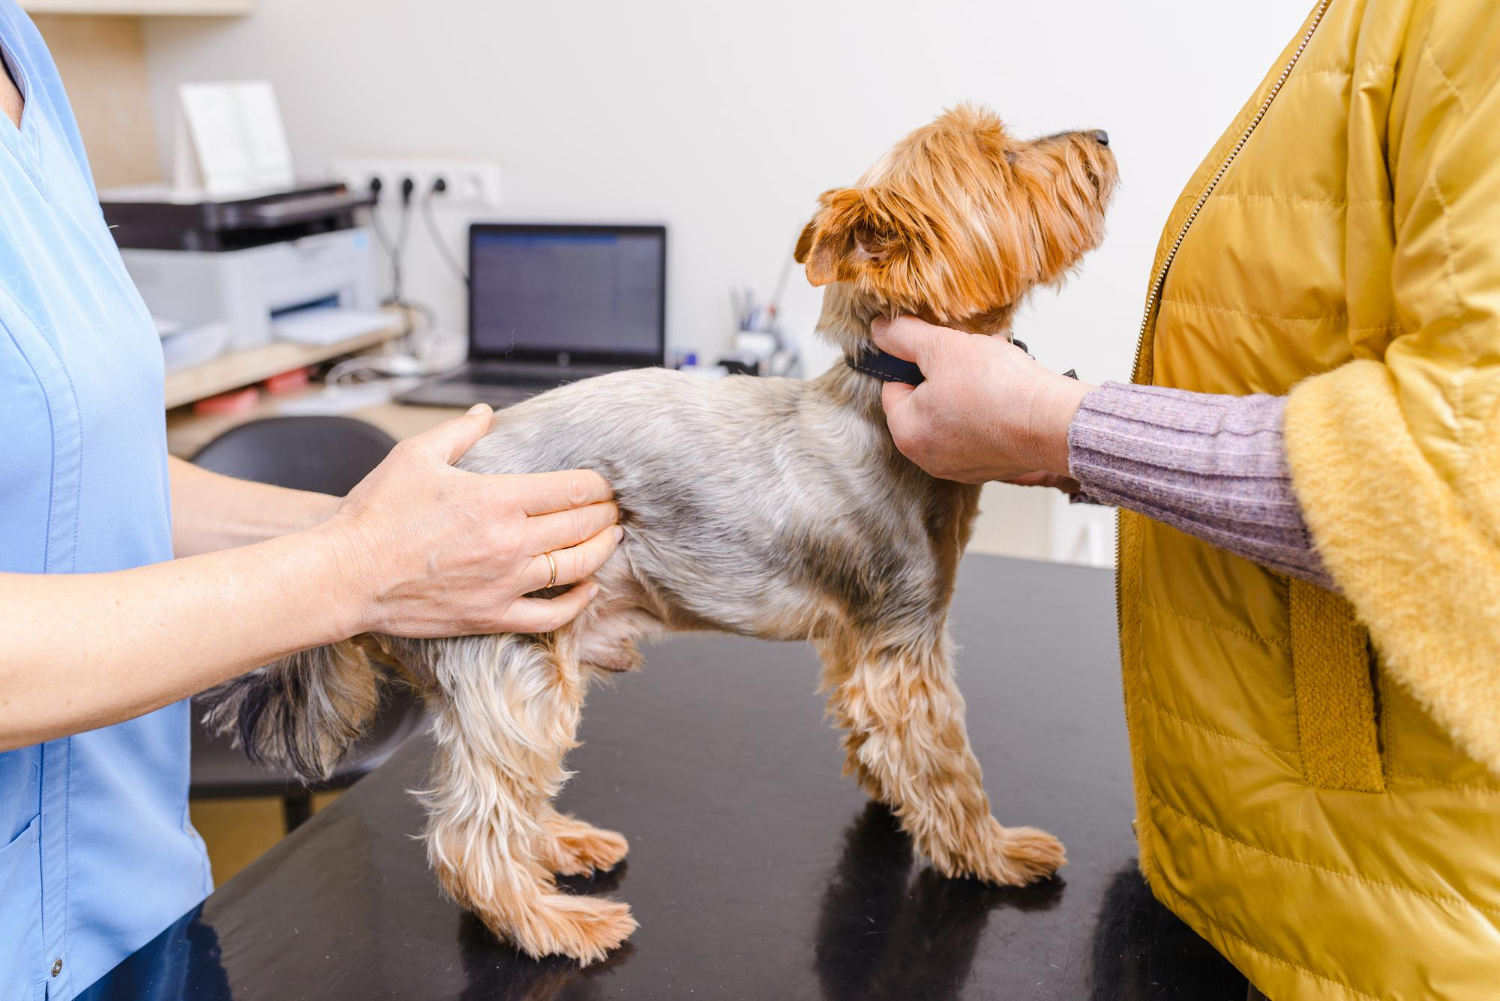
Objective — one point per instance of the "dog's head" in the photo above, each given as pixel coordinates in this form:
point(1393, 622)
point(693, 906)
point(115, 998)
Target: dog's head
point(960, 220)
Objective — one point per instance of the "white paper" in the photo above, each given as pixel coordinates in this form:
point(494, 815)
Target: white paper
point(327, 325)
point(238, 141)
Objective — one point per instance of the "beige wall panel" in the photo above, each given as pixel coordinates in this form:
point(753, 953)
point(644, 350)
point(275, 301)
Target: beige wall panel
point(103, 65)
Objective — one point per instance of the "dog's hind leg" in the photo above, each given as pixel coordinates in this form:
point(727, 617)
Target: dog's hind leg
point(505, 717)
point(905, 739)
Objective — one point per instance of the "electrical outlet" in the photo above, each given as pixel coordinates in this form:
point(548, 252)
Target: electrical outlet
point(470, 182)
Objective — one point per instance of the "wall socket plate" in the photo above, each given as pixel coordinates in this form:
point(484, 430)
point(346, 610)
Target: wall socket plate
point(471, 182)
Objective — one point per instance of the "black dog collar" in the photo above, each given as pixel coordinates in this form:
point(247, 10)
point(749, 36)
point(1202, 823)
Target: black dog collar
point(889, 368)
point(886, 367)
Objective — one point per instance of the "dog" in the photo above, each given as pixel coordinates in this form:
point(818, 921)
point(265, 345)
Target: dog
point(776, 508)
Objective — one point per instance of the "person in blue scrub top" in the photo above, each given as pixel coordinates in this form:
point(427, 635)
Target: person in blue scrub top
point(130, 580)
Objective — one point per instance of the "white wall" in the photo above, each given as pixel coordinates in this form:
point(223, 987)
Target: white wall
point(725, 120)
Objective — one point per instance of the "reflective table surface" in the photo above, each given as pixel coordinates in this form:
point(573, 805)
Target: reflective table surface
point(755, 870)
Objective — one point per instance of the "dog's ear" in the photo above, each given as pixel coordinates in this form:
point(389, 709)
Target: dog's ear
point(852, 234)
point(805, 241)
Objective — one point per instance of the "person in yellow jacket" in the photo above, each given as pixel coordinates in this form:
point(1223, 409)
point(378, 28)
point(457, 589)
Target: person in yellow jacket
point(1308, 467)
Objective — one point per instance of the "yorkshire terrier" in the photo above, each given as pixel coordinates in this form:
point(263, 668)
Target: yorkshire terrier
point(776, 508)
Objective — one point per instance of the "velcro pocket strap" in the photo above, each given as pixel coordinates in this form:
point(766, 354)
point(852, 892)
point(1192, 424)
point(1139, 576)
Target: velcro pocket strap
point(1336, 722)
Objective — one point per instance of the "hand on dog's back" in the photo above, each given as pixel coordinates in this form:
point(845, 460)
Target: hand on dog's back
point(427, 550)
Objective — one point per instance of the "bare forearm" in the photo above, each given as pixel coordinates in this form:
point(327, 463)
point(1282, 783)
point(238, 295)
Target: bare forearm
point(417, 549)
point(211, 512)
point(83, 651)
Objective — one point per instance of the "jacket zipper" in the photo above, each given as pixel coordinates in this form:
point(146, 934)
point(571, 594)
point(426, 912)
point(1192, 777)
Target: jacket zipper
point(1153, 295)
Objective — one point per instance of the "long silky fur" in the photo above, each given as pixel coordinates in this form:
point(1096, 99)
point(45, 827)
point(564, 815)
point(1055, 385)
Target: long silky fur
point(301, 713)
point(777, 508)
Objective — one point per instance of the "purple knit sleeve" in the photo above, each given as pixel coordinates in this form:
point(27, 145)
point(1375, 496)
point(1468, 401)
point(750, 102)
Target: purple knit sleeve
point(1209, 465)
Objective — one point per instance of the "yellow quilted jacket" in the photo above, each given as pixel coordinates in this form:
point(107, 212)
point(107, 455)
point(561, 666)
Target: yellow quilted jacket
point(1318, 776)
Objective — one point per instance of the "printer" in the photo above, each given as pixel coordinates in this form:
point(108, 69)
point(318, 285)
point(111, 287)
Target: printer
point(236, 273)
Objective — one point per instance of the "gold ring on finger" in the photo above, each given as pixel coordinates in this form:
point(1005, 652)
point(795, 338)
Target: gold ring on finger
point(553, 564)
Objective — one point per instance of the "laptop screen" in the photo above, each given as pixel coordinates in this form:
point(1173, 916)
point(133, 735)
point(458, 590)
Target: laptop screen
point(593, 293)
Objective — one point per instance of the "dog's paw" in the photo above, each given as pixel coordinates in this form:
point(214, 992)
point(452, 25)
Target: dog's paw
point(1007, 856)
point(1025, 855)
point(599, 850)
point(581, 927)
point(575, 848)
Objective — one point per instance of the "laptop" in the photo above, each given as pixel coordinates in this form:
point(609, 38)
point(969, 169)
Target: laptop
point(550, 304)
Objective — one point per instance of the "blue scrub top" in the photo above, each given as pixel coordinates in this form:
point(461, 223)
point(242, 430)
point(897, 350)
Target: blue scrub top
point(97, 853)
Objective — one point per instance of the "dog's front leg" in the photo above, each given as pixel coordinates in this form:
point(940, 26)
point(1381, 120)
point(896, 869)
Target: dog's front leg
point(573, 847)
point(903, 719)
point(506, 715)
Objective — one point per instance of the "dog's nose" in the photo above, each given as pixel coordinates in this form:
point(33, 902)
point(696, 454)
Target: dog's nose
point(1101, 137)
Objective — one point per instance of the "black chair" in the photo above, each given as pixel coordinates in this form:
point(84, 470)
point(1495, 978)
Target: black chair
point(329, 455)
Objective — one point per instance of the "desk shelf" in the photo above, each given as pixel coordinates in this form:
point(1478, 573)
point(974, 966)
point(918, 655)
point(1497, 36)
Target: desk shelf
point(188, 432)
point(245, 368)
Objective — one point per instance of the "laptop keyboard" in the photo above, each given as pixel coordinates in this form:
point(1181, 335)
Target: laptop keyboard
point(491, 377)
point(497, 385)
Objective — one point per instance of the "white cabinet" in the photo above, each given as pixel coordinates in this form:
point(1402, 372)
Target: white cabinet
point(216, 8)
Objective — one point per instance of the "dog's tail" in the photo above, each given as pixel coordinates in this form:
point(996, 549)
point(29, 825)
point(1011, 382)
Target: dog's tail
point(302, 712)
